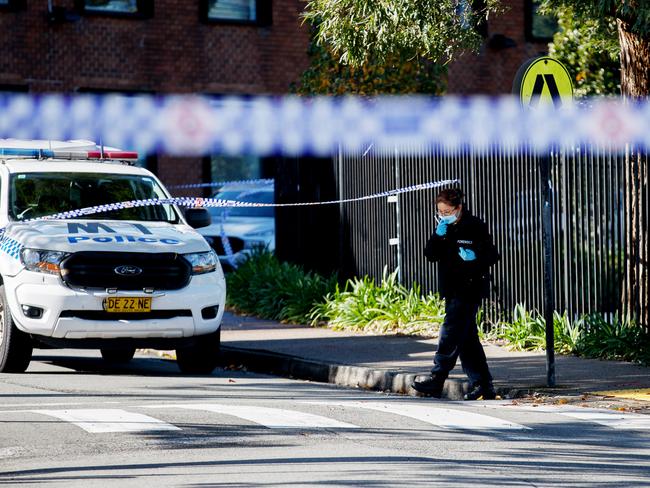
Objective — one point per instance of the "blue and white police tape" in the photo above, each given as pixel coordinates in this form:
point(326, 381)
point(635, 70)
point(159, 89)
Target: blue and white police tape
point(195, 202)
point(8, 244)
point(218, 184)
point(225, 242)
point(291, 125)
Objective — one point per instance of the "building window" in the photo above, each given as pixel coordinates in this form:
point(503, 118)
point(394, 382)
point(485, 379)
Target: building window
point(121, 8)
point(539, 27)
point(256, 12)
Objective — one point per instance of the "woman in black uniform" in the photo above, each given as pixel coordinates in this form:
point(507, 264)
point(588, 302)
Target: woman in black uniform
point(463, 248)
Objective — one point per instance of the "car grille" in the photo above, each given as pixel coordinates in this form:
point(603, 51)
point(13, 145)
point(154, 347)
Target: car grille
point(160, 271)
point(236, 244)
point(101, 315)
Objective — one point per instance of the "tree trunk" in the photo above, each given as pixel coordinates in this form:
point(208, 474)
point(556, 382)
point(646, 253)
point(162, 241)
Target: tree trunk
point(635, 63)
point(635, 84)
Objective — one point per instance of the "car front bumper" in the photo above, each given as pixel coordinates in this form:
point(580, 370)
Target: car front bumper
point(70, 313)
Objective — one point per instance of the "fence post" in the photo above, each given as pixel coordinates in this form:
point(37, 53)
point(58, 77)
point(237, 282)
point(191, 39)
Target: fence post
point(547, 233)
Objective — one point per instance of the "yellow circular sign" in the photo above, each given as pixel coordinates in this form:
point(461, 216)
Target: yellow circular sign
point(543, 81)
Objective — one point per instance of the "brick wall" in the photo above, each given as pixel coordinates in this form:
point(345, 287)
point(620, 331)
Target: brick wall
point(492, 71)
point(172, 52)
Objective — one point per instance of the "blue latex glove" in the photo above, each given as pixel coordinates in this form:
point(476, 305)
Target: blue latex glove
point(467, 254)
point(441, 230)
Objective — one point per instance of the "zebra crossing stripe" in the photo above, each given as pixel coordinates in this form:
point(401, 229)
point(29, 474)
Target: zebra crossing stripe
point(607, 418)
point(103, 420)
point(273, 418)
point(447, 418)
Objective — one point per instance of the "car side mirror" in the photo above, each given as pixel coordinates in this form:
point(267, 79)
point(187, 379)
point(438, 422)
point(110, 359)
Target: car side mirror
point(198, 217)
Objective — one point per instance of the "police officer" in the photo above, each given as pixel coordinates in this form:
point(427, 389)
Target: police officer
point(462, 247)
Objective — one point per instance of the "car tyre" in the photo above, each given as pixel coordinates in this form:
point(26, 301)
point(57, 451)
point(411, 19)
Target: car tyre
point(15, 346)
point(202, 357)
point(118, 356)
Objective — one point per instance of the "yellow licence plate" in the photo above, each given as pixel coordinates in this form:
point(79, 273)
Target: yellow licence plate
point(127, 304)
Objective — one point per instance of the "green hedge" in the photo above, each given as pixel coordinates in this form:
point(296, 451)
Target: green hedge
point(270, 289)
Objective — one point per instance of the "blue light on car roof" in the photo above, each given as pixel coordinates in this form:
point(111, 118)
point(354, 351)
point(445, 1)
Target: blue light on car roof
point(29, 153)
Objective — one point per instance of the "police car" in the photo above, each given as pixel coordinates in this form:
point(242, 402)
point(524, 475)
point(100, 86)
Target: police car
point(117, 280)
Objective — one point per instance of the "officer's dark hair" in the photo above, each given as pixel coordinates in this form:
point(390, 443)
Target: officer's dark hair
point(450, 196)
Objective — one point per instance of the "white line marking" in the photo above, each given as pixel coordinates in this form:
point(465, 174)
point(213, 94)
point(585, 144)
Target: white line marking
point(608, 418)
point(102, 420)
point(273, 418)
point(442, 417)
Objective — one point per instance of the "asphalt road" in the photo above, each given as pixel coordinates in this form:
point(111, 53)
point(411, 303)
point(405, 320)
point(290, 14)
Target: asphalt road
point(72, 421)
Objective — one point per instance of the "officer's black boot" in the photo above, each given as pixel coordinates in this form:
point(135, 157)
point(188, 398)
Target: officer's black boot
point(481, 392)
point(430, 385)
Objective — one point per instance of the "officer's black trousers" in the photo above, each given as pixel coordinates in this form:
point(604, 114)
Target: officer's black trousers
point(459, 338)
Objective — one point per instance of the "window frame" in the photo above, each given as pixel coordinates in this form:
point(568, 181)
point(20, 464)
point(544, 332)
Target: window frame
point(145, 10)
point(529, 13)
point(263, 15)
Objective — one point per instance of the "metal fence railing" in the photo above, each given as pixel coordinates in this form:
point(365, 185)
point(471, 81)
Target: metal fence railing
point(593, 215)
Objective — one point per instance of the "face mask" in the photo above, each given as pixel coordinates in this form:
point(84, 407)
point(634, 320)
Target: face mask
point(449, 219)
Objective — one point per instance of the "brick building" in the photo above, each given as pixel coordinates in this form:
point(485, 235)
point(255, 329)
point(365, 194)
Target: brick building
point(511, 38)
point(153, 46)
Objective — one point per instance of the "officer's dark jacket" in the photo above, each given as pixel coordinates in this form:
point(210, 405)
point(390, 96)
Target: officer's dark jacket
point(458, 278)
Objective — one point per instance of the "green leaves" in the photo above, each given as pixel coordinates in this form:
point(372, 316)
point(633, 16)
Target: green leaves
point(387, 307)
point(327, 76)
point(590, 49)
point(617, 339)
point(590, 335)
point(265, 287)
point(361, 29)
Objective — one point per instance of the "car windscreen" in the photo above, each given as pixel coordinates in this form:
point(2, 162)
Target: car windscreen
point(245, 196)
point(33, 195)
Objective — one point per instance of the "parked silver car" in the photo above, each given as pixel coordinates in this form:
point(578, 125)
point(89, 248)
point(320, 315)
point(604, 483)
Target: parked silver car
point(241, 229)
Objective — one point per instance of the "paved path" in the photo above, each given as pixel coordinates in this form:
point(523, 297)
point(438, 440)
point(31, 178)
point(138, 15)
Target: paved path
point(390, 362)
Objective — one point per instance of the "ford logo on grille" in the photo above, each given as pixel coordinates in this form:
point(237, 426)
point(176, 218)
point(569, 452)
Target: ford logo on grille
point(127, 270)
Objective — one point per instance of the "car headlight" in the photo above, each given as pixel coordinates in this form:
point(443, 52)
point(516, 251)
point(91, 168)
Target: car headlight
point(202, 262)
point(42, 261)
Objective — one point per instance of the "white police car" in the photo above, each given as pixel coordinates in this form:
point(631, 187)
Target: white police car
point(116, 280)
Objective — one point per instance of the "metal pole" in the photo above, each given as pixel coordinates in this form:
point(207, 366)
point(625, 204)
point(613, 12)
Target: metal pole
point(547, 233)
point(398, 218)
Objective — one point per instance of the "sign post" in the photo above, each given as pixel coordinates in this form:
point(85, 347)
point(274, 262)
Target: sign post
point(544, 81)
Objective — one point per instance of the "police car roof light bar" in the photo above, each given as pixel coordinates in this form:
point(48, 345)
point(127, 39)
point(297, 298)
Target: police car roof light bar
point(46, 153)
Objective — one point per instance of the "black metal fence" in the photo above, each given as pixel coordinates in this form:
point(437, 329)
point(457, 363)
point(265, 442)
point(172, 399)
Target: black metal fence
point(593, 213)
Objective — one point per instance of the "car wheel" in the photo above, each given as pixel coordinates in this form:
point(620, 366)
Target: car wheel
point(15, 346)
point(118, 356)
point(202, 357)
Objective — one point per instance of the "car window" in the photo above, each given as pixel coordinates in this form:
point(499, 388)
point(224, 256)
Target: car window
point(262, 196)
point(33, 195)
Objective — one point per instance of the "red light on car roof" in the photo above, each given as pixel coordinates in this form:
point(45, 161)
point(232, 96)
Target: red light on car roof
point(113, 155)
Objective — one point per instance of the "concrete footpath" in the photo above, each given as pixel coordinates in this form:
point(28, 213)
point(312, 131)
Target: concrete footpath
point(389, 363)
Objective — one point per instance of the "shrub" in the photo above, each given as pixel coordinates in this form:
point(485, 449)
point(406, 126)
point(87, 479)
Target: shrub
point(268, 288)
point(589, 336)
point(618, 340)
point(384, 307)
